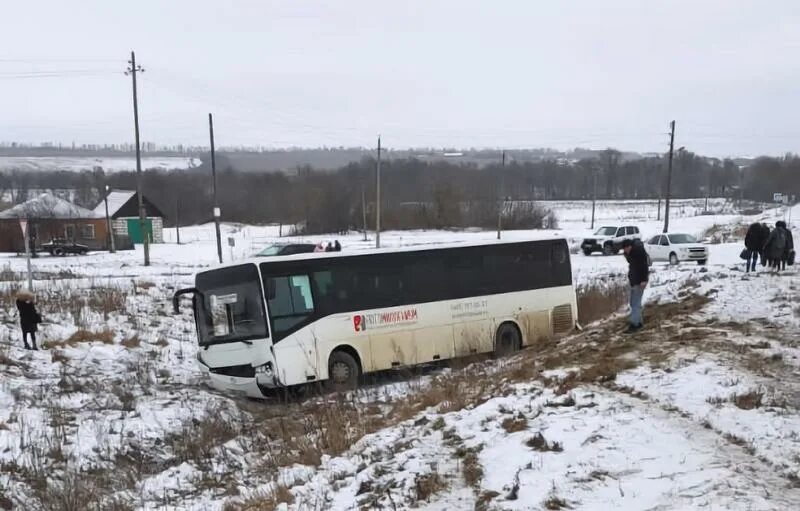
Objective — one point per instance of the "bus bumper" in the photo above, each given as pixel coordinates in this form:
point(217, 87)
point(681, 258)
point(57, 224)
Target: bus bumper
point(244, 386)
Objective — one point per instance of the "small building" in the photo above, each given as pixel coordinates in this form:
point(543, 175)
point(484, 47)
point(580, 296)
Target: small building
point(50, 217)
point(123, 209)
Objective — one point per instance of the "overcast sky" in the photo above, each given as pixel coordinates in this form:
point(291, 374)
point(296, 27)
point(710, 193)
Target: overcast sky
point(422, 73)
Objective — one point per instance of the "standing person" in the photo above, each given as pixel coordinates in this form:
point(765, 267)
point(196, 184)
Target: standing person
point(754, 244)
point(638, 273)
point(337, 247)
point(765, 232)
point(329, 248)
point(776, 246)
point(789, 243)
point(29, 317)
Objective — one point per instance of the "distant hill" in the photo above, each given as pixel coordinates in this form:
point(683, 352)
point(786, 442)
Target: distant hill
point(275, 160)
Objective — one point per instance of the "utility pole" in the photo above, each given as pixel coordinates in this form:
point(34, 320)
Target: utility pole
point(109, 228)
point(217, 212)
point(501, 199)
point(669, 175)
point(132, 70)
point(660, 192)
point(364, 210)
point(178, 220)
point(594, 192)
point(378, 198)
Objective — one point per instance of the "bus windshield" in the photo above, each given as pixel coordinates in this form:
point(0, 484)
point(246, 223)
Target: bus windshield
point(229, 306)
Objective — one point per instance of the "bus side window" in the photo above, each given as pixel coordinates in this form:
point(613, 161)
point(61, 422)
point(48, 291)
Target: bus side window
point(290, 304)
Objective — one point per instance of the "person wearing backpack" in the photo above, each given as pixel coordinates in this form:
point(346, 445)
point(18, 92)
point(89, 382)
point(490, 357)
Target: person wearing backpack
point(775, 249)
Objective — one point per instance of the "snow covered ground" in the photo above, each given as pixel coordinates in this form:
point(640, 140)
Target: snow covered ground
point(699, 411)
point(108, 163)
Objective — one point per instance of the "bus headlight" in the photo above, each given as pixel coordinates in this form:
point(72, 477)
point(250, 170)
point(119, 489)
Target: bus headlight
point(265, 370)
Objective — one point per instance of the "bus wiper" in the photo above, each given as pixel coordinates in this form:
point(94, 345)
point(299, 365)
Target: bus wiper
point(205, 345)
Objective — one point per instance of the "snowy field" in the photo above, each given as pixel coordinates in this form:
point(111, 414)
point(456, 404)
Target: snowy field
point(108, 163)
point(699, 411)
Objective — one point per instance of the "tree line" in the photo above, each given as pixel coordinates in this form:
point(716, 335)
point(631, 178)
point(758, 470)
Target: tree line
point(416, 193)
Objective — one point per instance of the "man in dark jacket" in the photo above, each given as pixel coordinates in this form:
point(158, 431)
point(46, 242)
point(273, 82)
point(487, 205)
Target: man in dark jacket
point(29, 317)
point(754, 242)
point(638, 273)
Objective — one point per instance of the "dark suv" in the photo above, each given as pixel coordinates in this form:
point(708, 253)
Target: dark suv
point(282, 249)
point(62, 247)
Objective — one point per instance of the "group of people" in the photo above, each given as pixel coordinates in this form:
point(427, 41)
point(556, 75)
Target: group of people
point(330, 247)
point(775, 247)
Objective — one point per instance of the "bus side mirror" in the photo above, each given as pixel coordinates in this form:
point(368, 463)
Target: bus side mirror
point(176, 298)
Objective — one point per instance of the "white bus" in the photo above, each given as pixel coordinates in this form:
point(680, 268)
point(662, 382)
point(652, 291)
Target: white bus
point(332, 317)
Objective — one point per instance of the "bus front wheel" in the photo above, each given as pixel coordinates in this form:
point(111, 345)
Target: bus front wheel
point(508, 339)
point(343, 371)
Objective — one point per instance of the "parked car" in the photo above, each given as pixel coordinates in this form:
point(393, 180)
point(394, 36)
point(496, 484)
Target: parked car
point(61, 247)
point(608, 239)
point(281, 249)
point(676, 247)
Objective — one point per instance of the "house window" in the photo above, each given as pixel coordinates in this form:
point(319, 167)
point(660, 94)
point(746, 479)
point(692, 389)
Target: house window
point(69, 232)
point(87, 231)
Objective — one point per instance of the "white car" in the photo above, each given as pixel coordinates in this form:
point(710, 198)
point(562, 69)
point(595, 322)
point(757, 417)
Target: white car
point(676, 247)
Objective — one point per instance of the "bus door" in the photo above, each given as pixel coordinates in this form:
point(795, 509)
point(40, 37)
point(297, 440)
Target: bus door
point(291, 310)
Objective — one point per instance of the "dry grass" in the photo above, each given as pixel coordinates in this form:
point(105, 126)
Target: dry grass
point(428, 485)
point(748, 400)
point(131, 342)
point(601, 300)
point(538, 443)
point(471, 467)
point(514, 424)
point(555, 502)
point(105, 336)
point(267, 501)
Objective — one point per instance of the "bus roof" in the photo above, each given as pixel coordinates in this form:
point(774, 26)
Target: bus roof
point(373, 251)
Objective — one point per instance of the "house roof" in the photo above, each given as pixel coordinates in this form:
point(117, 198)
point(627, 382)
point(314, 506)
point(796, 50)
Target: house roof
point(47, 206)
point(116, 200)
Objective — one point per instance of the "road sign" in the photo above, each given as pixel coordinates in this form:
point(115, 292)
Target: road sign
point(231, 242)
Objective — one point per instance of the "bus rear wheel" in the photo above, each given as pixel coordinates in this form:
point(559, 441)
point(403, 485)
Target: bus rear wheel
point(343, 372)
point(507, 340)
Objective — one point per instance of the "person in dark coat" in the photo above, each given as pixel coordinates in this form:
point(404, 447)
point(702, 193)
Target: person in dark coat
point(638, 274)
point(337, 247)
point(789, 248)
point(765, 232)
point(29, 318)
point(754, 242)
point(776, 249)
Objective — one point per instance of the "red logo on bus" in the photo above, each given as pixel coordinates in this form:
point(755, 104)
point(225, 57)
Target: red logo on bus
point(384, 319)
point(359, 324)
